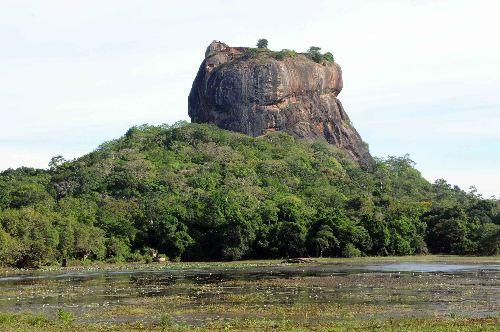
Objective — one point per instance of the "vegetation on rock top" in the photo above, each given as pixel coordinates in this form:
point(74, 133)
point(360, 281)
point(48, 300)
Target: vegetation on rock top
point(313, 53)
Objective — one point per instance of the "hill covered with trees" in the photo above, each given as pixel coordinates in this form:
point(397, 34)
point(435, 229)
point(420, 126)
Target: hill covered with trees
point(196, 192)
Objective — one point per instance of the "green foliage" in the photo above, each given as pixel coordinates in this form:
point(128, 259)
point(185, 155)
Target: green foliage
point(89, 242)
point(24, 194)
point(251, 53)
point(324, 240)
point(447, 230)
point(196, 192)
point(65, 317)
point(262, 43)
point(56, 162)
point(489, 239)
point(351, 251)
point(328, 57)
point(9, 248)
point(315, 54)
point(33, 230)
point(288, 239)
point(117, 249)
point(284, 53)
point(168, 236)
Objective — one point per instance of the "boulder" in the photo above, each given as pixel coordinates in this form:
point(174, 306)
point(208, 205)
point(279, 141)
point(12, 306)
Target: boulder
point(253, 91)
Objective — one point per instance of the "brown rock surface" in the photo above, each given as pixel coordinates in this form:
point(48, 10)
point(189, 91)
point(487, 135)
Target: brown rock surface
point(254, 93)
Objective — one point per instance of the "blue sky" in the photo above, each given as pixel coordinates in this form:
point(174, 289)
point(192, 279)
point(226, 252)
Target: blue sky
point(420, 77)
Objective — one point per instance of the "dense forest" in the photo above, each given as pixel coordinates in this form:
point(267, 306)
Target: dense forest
point(196, 192)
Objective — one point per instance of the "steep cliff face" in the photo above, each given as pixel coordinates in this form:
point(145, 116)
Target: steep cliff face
point(254, 93)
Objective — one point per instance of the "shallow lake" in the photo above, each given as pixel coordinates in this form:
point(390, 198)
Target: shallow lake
point(194, 296)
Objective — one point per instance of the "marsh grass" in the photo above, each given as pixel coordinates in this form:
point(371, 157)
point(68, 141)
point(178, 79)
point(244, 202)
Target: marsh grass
point(256, 296)
point(65, 317)
point(35, 323)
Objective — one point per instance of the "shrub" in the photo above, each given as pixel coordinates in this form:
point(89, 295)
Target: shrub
point(328, 56)
point(284, 53)
point(250, 53)
point(148, 259)
point(135, 257)
point(351, 251)
point(315, 54)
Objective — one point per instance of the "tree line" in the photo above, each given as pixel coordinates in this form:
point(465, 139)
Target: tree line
point(196, 192)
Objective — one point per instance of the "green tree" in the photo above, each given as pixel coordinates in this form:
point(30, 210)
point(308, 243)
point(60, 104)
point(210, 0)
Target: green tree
point(315, 53)
point(489, 239)
point(116, 217)
point(324, 240)
point(89, 242)
point(56, 162)
point(117, 249)
point(447, 231)
point(37, 237)
point(262, 43)
point(288, 239)
point(169, 236)
point(24, 194)
point(9, 249)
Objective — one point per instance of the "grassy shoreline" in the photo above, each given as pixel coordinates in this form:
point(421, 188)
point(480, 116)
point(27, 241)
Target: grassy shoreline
point(129, 266)
point(34, 323)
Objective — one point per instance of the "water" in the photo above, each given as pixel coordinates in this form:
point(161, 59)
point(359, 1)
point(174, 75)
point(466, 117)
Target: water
point(432, 267)
point(197, 295)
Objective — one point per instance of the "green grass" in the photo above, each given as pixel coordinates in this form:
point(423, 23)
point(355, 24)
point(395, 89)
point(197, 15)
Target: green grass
point(34, 323)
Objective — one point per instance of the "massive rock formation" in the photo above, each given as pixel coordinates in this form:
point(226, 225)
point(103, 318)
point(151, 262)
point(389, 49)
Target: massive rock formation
point(254, 93)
